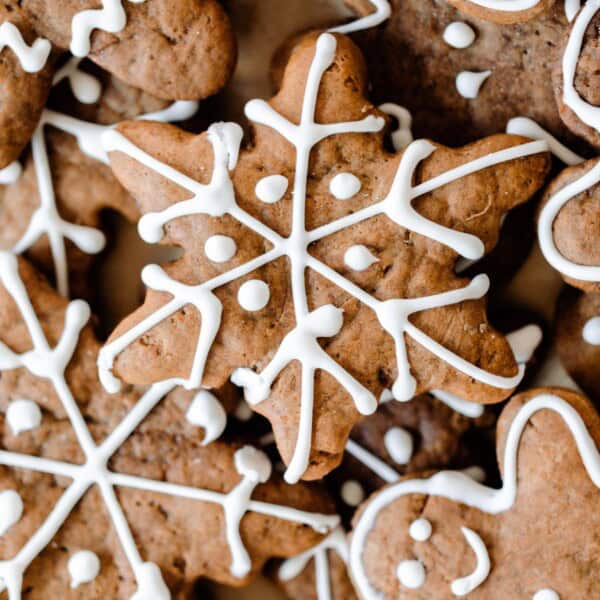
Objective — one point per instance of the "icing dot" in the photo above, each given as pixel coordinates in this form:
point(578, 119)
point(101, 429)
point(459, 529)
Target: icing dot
point(591, 331)
point(459, 35)
point(399, 445)
point(468, 83)
point(254, 295)
point(420, 530)
point(23, 415)
point(352, 492)
point(271, 189)
point(10, 173)
point(220, 248)
point(84, 567)
point(546, 594)
point(411, 574)
point(359, 258)
point(11, 509)
point(344, 185)
point(207, 412)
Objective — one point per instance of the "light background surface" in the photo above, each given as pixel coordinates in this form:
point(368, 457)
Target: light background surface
point(261, 27)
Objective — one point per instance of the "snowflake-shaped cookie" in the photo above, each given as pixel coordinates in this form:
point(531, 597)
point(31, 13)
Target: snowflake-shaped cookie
point(107, 490)
point(317, 269)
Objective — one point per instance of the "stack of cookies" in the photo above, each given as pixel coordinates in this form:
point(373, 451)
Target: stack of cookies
point(330, 385)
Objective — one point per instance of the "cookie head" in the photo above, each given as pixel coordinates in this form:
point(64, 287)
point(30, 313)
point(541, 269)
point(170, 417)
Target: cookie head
point(445, 535)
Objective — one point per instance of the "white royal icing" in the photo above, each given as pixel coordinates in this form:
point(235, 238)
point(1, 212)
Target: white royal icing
point(50, 363)
point(254, 295)
point(546, 594)
point(352, 492)
point(465, 585)
point(420, 530)
point(85, 87)
point(111, 18)
point(411, 574)
point(572, 8)
point(588, 113)
point(207, 412)
point(32, 58)
point(271, 189)
point(10, 173)
point(399, 445)
point(23, 415)
point(460, 488)
point(468, 83)
point(402, 136)
point(591, 331)
point(218, 198)
point(292, 567)
point(220, 248)
point(459, 35)
point(359, 258)
point(83, 567)
point(344, 186)
point(11, 510)
point(382, 12)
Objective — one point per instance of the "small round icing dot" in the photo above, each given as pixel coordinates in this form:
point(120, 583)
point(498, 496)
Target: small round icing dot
point(359, 258)
point(546, 594)
point(459, 35)
point(220, 248)
point(23, 415)
point(420, 530)
point(591, 331)
point(11, 509)
point(468, 83)
point(344, 185)
point(399, 445)
point(352, 492)
point(254, 295)
point(84, 567)
point(411, 574)
point(272, 188)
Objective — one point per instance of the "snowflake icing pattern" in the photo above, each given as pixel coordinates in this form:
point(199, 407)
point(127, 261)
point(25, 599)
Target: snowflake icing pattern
point(50, 363)
point(217, 198)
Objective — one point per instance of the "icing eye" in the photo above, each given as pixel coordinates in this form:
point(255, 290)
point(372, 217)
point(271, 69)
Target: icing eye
point(468, 83)
point(220, 248)
point(23, 415)
point(546, 594)
point(359, 258)
point(399, 445)
point(352, 492)
point(11, 509)
point(344, 185)
point(459, 35)
point(271, 189)
point(411, 574)
point(83, 567)
point(254, 295)
point(420, 530)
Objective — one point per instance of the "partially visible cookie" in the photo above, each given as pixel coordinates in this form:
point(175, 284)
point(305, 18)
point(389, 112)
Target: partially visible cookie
point(129, 496)
point(444, 535)
point(176, 50)
point(25, 77)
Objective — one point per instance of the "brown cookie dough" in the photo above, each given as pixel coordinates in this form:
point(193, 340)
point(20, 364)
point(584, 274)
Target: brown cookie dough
point(586, 81)
point(182, 535)
point(182, 50)
point(411, 540)
point(23, 93)
point(408, 265)
point(581, 359)
point(412, 65)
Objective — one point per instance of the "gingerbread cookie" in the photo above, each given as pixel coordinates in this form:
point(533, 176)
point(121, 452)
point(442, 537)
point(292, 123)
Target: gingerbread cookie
point(576, 75)
point(25, 76)
point(107, 495)
point(384, 237)
point(182, 50)
point(462, 77)
point(446, 536)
